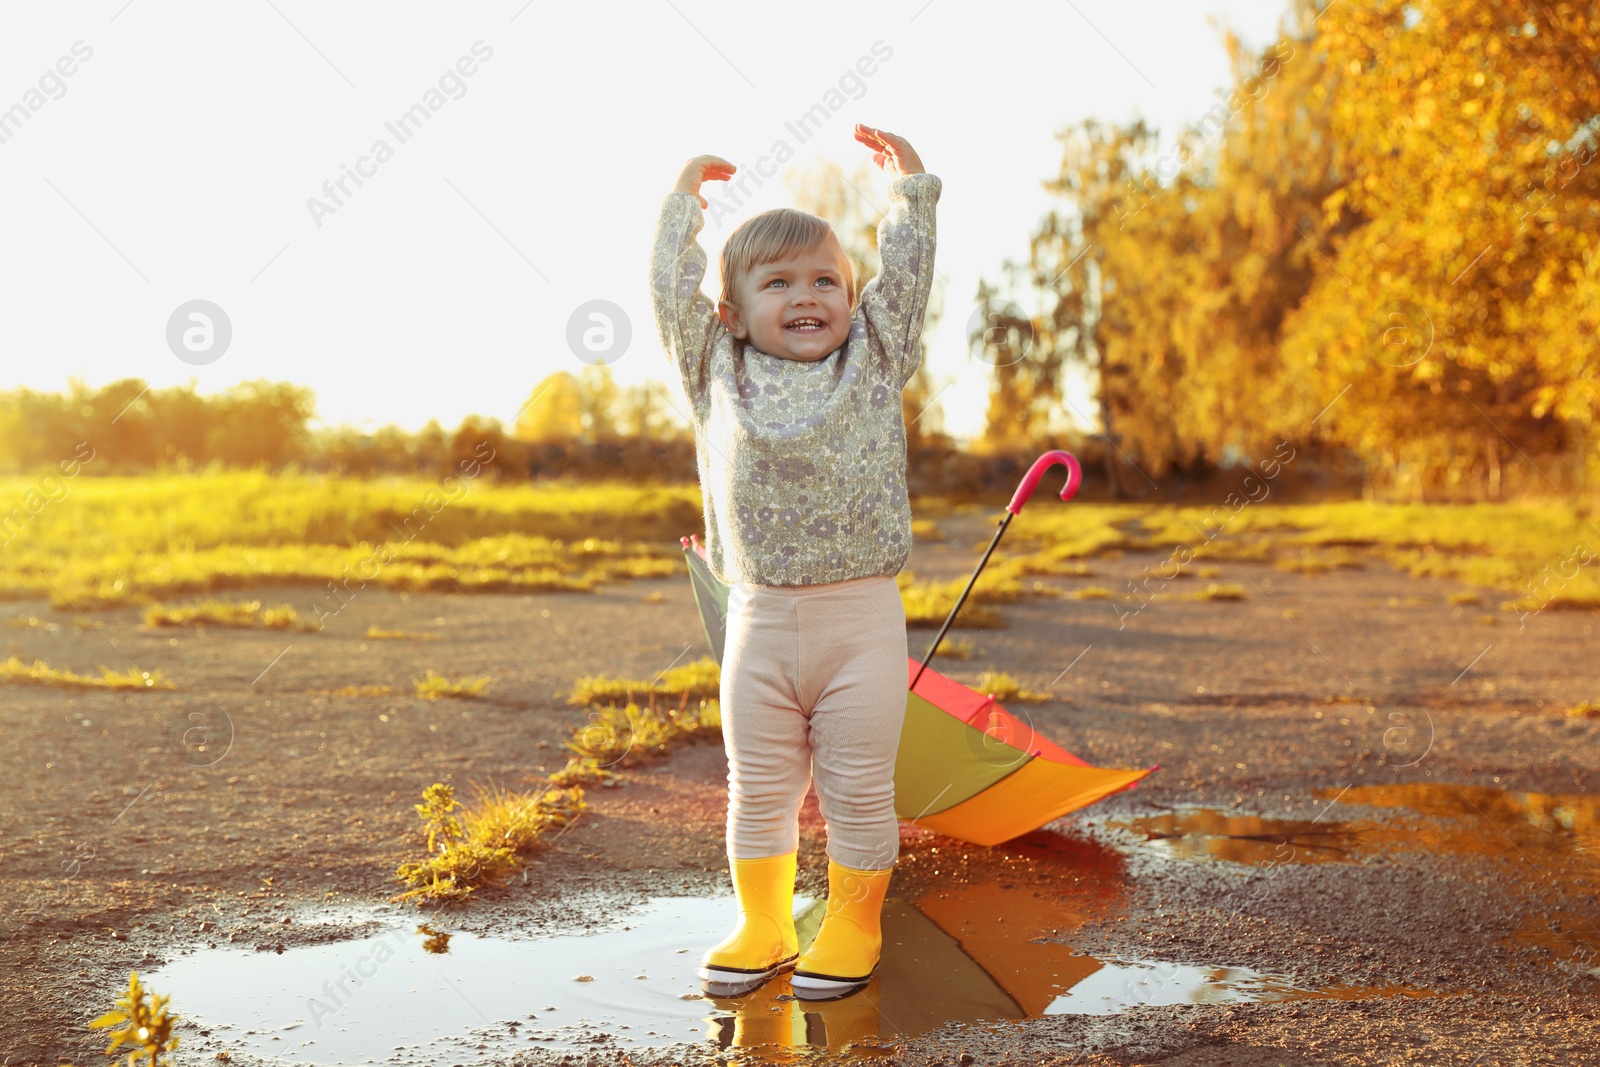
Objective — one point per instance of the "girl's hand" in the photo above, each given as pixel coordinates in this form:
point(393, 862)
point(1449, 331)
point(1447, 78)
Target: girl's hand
point(890, 151)
point(703, 169)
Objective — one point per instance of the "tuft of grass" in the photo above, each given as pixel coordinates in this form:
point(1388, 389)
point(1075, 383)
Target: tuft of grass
point(702, 678)
point(926, 530)
point(621, 736)
point(1587, 710)
point(239, 614)
point(955, 648)
point(484, 843)
point(432, 686)
point(38, 672)
point(146, 1028)
point(1468, 596)
point(624, 736)
point(1005, 688)
point(376, 634)
point(1217, 591)
point(1090, 592)
point(1208, 571)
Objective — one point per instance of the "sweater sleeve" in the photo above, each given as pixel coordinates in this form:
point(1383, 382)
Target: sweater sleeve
point(896, 301)
point(685, 317)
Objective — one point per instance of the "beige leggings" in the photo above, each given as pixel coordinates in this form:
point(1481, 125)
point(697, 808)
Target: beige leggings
point(814, 687)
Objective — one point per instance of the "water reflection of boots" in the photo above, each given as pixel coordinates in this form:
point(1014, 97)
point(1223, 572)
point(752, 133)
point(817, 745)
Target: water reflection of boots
point(755, 1020)
point(848, 1021)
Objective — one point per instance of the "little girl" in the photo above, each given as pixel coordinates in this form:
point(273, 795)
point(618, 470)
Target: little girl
point(795, 385)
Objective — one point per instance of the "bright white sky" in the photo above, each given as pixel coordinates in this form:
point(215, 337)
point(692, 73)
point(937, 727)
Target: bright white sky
point(178, 162)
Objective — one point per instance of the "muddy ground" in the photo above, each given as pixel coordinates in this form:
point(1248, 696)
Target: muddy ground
point(127, 847)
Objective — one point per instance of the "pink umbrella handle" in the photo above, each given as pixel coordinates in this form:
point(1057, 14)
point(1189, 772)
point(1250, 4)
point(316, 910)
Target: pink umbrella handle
point(1030, 481)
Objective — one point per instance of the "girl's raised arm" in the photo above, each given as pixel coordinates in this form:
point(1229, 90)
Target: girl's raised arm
point(685, 317)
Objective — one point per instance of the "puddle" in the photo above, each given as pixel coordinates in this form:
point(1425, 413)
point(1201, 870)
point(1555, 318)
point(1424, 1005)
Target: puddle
point(422, 994)
point(969, 953)
point(1249, 839)
point(1547, 843)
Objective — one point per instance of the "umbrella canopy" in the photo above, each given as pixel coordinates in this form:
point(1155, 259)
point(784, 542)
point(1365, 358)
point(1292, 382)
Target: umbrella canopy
point(967, 768)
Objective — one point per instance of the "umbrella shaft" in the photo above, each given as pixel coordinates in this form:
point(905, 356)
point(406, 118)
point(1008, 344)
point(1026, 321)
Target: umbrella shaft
point(952, 616)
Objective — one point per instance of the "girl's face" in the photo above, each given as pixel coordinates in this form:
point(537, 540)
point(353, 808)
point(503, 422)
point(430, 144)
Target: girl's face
point(796, 308)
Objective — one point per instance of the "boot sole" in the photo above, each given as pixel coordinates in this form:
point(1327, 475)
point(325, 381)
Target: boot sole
point(741, 976)
point(809, 985)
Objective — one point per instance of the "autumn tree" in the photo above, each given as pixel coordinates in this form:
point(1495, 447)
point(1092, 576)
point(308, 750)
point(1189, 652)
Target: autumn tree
point(554, 412)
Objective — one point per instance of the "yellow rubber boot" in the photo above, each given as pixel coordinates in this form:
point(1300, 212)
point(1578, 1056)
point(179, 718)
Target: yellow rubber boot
point(763, 944)
point(842, 957)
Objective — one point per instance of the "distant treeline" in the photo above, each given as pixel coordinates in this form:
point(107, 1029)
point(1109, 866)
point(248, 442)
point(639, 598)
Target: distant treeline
point(130, 429)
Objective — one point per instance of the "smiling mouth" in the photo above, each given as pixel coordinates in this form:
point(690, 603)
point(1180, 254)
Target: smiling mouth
point(805, 326)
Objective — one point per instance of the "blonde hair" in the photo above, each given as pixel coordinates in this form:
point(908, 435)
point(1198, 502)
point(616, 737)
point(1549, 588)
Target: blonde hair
point(774, 235)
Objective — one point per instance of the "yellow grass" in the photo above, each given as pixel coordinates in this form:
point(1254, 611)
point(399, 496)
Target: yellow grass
point(485, 842)
point(625, 736)
point(702, 678)
point(239, 614)
point(144, 1026)
point(1005, 688)
point(137, 539)
point(38, 672)
point(928, 603)
point(432, 686)
point(954, 648)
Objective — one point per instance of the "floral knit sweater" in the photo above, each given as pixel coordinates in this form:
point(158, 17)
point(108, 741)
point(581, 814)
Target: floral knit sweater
point(802, 465)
